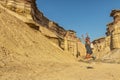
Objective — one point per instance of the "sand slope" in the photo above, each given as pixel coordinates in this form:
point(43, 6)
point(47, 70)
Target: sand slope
point(25, 54)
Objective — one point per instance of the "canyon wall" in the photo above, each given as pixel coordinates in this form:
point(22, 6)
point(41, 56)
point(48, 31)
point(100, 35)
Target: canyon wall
point(27, 11)
point(111, 42)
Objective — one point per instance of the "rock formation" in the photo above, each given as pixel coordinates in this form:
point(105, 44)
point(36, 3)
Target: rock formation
point(109, 47)
point(115, 36)
point(24, 52)
point(73, 44)
point(27, 11)
point(21, 7)
point(113, 30)
point(98, 44)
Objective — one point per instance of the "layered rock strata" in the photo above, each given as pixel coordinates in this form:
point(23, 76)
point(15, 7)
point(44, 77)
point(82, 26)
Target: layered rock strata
point(111, 43)
point(115, 36)
point(27, 11)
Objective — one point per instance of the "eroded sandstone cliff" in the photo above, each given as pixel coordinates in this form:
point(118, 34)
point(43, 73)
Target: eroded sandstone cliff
point(27, 11)
point(109, 47)
point(24, 50)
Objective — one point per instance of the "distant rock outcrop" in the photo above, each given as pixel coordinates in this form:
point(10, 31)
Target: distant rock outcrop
point(109, 47)
point(113, 31)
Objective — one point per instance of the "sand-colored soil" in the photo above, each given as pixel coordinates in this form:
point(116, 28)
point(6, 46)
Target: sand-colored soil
point(25, 54)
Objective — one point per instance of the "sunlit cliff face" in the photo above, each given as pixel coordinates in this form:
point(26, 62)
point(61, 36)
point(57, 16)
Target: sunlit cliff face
point(26, 8)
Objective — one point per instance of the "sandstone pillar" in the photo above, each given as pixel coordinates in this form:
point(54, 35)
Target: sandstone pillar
point(75, 48)
point(65, 44)
point(116, 36)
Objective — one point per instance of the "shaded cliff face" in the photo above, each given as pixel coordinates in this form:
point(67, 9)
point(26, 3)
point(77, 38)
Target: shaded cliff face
point(37, 15)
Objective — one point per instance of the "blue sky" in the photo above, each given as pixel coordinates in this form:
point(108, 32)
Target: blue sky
point(82, 16)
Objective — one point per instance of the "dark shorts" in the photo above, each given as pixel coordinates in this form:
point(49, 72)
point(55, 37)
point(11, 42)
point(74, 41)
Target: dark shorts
point(88, 49)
